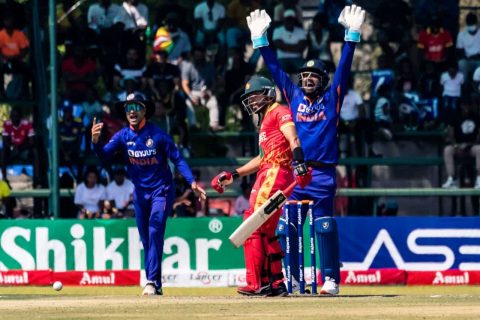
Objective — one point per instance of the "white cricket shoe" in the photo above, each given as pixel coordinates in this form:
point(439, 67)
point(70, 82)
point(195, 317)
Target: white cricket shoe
point(330, 287)
point(150, 289)
point(296, 286)
point(451, 184)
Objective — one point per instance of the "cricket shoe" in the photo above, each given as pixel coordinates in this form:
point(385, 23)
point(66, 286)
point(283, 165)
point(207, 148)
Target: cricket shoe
point(280, 291)
point(262, 292)
point(150, 289)
point(330, 287)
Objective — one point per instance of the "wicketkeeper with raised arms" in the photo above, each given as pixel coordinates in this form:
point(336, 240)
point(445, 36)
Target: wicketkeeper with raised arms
point(146, 149)
point(281, 160)
point(315, 107)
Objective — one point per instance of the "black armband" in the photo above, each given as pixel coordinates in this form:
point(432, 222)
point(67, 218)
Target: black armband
point(298, 155)
point(235, 174)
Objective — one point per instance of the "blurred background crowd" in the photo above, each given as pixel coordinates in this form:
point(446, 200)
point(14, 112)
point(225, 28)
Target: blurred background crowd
point(416, 70)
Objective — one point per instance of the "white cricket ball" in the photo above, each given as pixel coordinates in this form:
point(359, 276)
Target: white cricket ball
point(57, 285)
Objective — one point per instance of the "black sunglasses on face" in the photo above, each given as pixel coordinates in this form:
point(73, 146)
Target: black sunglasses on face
point(134, 106)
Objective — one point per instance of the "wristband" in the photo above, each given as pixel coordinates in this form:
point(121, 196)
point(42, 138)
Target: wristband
point(235, 174)
point(261, 41)
point(298, 155)
point(352, 35)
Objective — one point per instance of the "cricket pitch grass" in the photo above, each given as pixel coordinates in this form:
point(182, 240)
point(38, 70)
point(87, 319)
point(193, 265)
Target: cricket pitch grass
point(105, 303)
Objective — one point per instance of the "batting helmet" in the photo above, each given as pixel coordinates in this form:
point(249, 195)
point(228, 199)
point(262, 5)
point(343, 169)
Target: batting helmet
point(259, 93)
point(313, 69)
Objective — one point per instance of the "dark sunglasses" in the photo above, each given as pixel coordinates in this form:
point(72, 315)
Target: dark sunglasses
point(134, 106)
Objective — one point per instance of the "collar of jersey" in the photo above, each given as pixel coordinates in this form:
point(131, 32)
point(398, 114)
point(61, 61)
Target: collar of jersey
point(140, 127)
point(273, 106)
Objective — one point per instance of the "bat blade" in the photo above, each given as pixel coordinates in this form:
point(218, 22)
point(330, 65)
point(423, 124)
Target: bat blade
point(258, 218)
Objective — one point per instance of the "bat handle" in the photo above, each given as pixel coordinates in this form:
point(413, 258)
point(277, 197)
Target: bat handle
point(290, 188)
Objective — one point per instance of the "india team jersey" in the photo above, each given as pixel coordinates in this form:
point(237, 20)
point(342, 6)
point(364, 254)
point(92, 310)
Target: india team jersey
point(315, 121)
point(146, 152)
point(274, 147)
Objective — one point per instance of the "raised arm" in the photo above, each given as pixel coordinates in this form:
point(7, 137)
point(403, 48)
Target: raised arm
point(104, 152)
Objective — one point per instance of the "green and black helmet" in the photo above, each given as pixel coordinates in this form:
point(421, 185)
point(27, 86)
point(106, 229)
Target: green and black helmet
point(259, 93)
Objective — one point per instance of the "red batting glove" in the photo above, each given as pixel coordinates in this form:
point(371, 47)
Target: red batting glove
point(221, 180)
point(303, 175)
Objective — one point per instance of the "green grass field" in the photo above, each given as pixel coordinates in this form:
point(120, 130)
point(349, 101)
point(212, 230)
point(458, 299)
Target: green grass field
point(455, 302)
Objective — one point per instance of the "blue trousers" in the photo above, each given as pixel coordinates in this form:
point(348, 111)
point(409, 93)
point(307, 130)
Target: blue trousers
point(152, 208)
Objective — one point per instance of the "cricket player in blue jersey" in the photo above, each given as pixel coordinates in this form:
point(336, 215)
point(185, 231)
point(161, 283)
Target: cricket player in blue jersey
point(316, 109)
point(146, 150)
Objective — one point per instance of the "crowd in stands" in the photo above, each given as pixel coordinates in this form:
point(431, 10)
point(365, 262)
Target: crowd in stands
point(194, 61)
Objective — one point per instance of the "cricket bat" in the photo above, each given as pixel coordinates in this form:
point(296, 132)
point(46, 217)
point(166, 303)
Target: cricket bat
point(262, 214)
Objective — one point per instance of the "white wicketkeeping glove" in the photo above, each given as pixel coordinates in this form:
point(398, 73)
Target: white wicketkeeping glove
point(258, 22)
point(352, 18)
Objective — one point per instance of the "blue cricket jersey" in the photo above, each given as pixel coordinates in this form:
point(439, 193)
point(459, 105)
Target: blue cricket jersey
point(316, 121)
point(146, 152)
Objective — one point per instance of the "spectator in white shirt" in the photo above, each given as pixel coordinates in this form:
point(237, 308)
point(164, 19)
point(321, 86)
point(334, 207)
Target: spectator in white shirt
point(120, 194)
point(468, 46)
point(133, 15)
point(89, 196)
point(209, 18)
point(290, 42)
point(102, 14)
point(452, 81)
point(476, 81)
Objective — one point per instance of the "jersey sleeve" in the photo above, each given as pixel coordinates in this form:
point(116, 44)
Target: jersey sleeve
point(106, 152)
point(284, 118)
point(340, 80)
point(177, 159)
point(282, 80)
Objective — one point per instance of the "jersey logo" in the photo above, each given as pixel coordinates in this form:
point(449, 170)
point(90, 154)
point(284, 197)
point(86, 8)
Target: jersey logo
point(262, 137)
point(149, 142)
point(310, 117)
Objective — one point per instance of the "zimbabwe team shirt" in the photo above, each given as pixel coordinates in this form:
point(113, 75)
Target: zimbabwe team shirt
point(146, 152)
point(274, 147)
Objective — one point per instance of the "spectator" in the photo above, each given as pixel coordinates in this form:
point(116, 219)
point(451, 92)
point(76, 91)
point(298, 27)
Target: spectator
point(332, 9)
point(174, 7)
point(132, 67)
point(180, 42)
point(92, 107)
point(120, 195)
point(79, 74)
point(241, 202)
point(128, 85)
point(6, 202)
point(476, 81)
point(318, 38)
point(161, 71)
point(237, 74)
point(406, 77)
point(209, 19)
point(383, 112)
point(71, 134)
point(18, 143)
point(89, 196)
point(14, 46)
point(101, 15)
point(132, 18)
point(16, 10)
point(434, 44)
point(468, 47)
point(462, 139)
point(452, 81)
point(198, 82)
point(237, 32)
point(284, 5)
point(393, 20)
point(429, 82)
point(290, 42)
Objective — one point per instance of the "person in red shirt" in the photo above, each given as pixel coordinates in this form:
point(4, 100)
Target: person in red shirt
point(14, 46)
point(18, 142)
point(79, 74)
point(435, 43)
point(279, 149)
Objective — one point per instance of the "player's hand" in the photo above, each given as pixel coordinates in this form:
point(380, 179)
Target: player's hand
point(96, 130)
point(258, 22)
point(221, 181)
point(303, 175)
point(352, 17)
point(199, 191)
